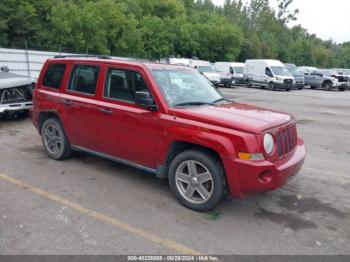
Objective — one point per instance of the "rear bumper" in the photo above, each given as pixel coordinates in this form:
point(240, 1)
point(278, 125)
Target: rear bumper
point(16, 107)
point(260, 176)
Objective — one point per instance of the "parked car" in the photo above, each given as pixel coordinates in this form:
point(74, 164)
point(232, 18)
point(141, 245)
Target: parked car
point(176, 61)
point(306, 69)
point(15, 92)
point(205, 68)
point(268, 73)
point(298, 75)
point(344, 74)
point(230, 73)
point(167, 120)
point(327, 79)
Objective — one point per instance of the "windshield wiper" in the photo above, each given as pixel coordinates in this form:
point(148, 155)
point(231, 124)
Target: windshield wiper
point(192, 104)
point(221, 100)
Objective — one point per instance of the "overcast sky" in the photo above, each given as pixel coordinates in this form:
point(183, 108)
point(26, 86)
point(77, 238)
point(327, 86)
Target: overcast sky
point(328, 19)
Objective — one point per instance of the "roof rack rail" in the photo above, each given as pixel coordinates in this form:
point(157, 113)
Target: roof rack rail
point(94, 56)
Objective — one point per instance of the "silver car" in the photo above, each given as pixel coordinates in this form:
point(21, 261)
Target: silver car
point(327, 79)
point(15, 92)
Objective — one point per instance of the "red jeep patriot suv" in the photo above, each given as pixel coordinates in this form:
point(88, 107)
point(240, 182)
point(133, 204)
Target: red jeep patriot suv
point(167, 120)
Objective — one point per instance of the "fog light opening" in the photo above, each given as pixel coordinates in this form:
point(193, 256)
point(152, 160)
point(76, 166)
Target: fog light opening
point(265, 177)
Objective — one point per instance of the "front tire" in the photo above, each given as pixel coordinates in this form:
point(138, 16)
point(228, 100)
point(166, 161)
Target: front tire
point(328, 86)
point(54, 139)
point(271, 87)
point(197, 180)
point(249, 84)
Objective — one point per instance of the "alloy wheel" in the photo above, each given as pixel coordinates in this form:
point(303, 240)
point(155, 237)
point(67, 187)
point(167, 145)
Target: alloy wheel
point(194, 182)
point(53, 139)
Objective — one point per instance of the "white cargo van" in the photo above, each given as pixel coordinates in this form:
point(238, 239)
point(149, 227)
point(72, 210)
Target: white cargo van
point(207, 70)
point(268, 73)
point(230, 73)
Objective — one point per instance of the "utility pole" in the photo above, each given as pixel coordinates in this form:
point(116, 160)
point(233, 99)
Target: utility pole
point(27, 58)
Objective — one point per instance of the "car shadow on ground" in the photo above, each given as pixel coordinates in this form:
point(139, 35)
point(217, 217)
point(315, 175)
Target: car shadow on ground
point(13, 117)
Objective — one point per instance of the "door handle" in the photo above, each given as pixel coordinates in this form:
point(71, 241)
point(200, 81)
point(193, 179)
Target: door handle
point(66, 102)
point(106, 111)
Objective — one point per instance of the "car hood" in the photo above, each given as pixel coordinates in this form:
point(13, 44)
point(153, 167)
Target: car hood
point(239, 75)
point(236, 116)
point(285, 77)
point(8, 80)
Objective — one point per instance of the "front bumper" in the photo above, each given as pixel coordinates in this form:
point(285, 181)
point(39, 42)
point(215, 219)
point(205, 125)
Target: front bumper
point(298, 85)
point(342, 85)
point(282, 86)
point(260, 176)
point(240, 80)
point(214, 82)
point(13, 107)
point(226, 81)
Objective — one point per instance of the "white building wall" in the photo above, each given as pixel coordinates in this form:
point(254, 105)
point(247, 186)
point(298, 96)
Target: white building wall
point(29, 62)
point(25, 62)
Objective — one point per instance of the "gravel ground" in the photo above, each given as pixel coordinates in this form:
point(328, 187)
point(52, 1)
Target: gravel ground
point(310, 215)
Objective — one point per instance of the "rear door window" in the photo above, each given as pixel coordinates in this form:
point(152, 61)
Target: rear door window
point(84, 79)
point(53, 76)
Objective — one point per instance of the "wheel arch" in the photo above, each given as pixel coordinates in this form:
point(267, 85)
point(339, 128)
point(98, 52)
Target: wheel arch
point(43, 116)
point(326, 82)
point(178, 146)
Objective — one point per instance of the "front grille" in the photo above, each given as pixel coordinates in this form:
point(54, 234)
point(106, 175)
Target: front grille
point(286, 140)
point(288, 81)
point(16, 94)
point(343, 79)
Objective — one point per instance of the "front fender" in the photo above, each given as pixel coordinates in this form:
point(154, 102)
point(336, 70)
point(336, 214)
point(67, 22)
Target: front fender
point(202, 136)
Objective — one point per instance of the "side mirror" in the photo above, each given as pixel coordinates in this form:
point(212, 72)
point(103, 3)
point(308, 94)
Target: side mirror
point(5, 69)
point(145, 99)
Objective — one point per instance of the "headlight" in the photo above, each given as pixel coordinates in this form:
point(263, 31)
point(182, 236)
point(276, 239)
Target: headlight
point(269, 143)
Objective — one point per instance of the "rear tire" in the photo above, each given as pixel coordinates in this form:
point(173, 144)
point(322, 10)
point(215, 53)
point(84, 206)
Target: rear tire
point(197, 180)
point(54, 139)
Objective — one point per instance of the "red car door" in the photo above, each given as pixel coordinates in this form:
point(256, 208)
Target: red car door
point(81, 106)
point(126, 131)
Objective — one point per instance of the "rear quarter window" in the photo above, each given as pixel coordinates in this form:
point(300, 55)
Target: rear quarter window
point(53, 75)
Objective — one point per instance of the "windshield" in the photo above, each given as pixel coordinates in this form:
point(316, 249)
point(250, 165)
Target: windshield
point(280, 71)
point(205, 69)
point(185, 86)
point(239, 70)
